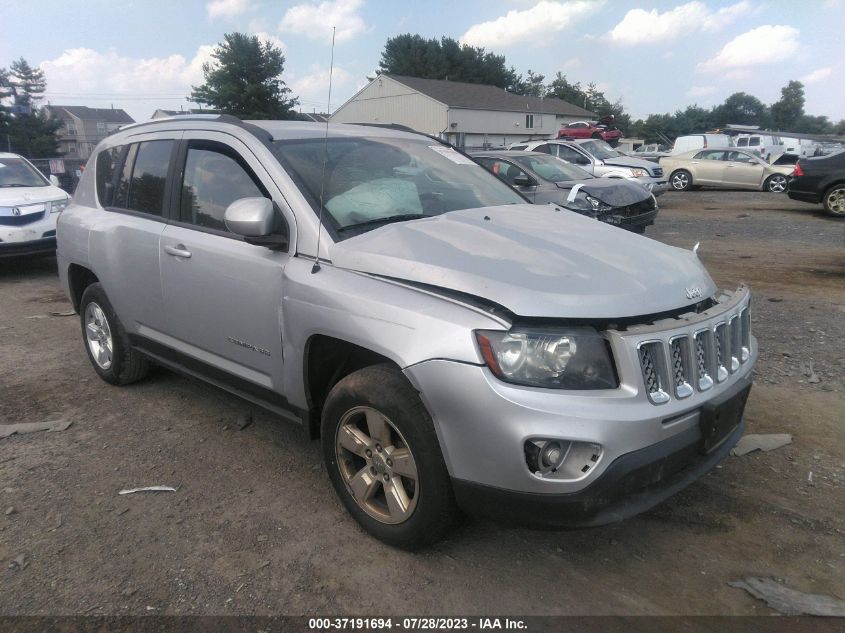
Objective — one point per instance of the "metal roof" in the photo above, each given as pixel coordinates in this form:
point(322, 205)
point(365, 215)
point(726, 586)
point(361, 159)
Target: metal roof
point(459, 94)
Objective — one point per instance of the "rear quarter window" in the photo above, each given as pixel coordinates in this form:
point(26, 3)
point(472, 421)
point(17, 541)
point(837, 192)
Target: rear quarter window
point(106, 168)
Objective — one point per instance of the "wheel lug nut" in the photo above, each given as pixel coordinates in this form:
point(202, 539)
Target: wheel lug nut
point(378, 447)
point(390, 462)
point(386, 477)
point(368, 452)
point(373, 470)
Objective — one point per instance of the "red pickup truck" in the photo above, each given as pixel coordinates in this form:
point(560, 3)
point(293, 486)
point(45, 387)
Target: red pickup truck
point(587, 129)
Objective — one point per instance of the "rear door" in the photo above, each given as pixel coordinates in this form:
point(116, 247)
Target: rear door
point(742, 170)
point(124, 242)
point(222, 296)
point(707, 167)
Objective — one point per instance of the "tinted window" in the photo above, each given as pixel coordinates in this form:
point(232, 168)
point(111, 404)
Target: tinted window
point(710, 154)
point(754, 141)
point(149, 174)
point(214, 178)
point(121, 194)
point(553, 169)
point(543, 148)
point(743, 142)
point(504, 170)
point(107, 165)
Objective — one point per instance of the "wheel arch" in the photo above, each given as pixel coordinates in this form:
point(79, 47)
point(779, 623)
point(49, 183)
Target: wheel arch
point(79, 278)
point(327, 360)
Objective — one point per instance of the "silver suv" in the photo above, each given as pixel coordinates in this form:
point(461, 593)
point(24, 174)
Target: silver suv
point(452, 346)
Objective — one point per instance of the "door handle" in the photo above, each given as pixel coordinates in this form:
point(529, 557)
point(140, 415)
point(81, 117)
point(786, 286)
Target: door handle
point(178, 251)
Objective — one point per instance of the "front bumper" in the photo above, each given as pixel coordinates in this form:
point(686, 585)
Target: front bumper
point(34, 247)
point(657, 186)
point(483, 423)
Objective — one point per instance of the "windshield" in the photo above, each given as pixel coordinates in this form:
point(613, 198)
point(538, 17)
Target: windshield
point(600, 149)
point(15, 172)
point(372, 181)
point(552, 169)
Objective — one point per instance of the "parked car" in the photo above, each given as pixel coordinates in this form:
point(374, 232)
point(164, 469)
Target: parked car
point(651, 151)
point(587, 129)
point(546, 179)
point(733, 169)
point(599, 159)
point(820, 180)
point(691, 142)
point(29, 206)
point(451, 345)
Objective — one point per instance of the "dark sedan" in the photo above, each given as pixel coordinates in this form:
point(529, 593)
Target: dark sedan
point(822, 180)
point(543, 179)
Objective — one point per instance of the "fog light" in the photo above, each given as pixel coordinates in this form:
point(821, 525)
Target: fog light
point(561, 459)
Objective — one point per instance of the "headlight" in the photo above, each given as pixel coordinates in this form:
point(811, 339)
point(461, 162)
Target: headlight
point(636, 172)
point(555, 358)
point(59, 205)
point(585, 203)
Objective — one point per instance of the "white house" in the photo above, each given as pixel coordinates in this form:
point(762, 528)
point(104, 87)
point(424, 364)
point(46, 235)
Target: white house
point(464, 114)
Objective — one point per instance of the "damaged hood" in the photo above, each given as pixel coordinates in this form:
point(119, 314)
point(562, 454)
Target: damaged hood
point(616, 192)
point(533, 260)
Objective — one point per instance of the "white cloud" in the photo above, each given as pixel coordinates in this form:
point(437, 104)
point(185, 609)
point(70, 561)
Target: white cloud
point(701, 91)
point(267, 38)
point(832, 4)
point(226, 8)
point(313, 88)
point(652, 27)
point(764, 45)
point(817, 75)
point(534, 25)
point(574, 62)
point(316, 20)
point(87, 77)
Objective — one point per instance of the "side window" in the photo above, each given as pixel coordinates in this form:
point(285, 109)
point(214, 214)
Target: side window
point(710, 154)
point(571, 156)
point(214, 178)
point(121, 192)
point(149, 174)
point(107, 165)
point(508, 172)
point(742, 142)
point(543, 148)
point(754, 141)
point(739, 157)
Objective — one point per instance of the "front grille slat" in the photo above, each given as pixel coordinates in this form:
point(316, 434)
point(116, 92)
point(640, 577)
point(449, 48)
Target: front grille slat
point(684, 363)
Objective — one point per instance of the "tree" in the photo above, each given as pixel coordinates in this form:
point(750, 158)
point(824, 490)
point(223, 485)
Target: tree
point(245, 80)
point(414, 56)
point(532, 86)
point(790, 108)
point(560, 88)
point(25, 128)
point(742, 109)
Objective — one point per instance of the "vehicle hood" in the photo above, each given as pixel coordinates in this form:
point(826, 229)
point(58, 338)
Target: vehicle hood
point(14, 196)
point(533, 260)
point(616, 192)
point(629, 161)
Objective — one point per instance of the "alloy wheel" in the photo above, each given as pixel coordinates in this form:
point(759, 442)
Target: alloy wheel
point(777, 184)
point(836, 202)
point(377, 465)
point(98, 335)
point(680, 181)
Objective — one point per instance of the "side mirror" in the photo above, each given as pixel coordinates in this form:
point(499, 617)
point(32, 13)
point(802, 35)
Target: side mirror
point(521, 181)
point(54, 180)
point(255, 220)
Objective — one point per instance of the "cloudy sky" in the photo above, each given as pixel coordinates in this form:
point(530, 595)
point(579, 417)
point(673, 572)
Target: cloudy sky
point(655, 55)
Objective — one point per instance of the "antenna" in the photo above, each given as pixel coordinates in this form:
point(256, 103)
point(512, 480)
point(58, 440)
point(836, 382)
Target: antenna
point(316, 266)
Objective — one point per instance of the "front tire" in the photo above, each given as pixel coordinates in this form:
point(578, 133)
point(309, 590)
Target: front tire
point(834, 201)
point(384, 460)
point(106, 342)
point(681, 180)
point(776, 183)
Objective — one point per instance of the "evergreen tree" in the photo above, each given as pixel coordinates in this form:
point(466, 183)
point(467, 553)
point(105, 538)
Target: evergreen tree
point(25, 128)
point(245, 80)
point(789, 110)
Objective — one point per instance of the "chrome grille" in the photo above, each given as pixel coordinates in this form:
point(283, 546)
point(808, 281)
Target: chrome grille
point(722, 352)
point(677, 366)
point(650, 361)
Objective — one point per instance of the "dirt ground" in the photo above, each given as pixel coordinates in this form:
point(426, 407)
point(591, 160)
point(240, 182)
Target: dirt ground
point(255, 527)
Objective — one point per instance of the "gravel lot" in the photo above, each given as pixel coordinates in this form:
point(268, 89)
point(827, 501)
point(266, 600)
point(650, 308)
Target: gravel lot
point(255, 528)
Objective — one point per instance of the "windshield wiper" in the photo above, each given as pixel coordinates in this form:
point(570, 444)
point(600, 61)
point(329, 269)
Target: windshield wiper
point(385, 220)
point(17, 184)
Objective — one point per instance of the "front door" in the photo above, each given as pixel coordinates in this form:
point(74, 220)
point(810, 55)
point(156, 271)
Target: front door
point(742, 170)
point(223, 296)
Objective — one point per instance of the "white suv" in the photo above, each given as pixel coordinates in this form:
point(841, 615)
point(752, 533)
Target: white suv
point(29, 206)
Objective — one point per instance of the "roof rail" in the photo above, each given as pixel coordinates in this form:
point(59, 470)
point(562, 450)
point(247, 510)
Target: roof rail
point(259, 132)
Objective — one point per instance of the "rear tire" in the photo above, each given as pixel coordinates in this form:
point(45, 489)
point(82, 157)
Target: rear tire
point(371, 415)
point(681, 180)
point(834, 201)
point(106, 342)
point(776, 183)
